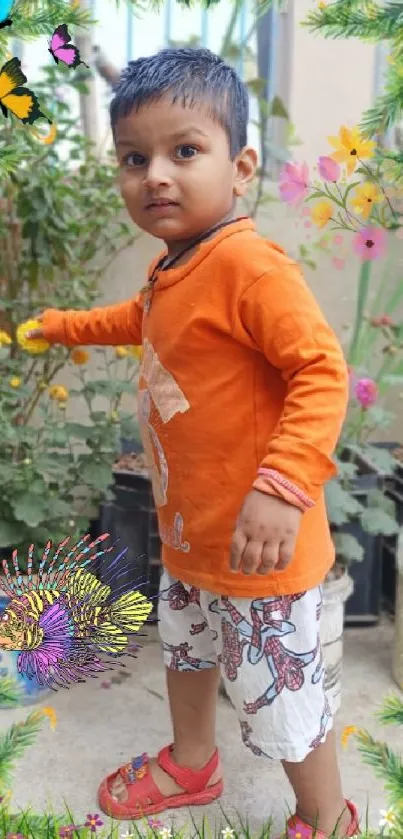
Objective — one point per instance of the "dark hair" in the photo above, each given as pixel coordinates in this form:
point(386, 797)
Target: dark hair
point(194, 76)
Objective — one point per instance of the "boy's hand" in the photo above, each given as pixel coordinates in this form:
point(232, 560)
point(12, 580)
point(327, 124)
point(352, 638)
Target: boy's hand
point(265, 534)
point(36, 333)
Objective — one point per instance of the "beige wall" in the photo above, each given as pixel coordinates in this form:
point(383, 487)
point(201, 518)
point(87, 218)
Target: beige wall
point(332, 84)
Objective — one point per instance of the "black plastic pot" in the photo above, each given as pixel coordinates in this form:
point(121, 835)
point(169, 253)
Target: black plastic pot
point(131, 518)
point(394, 490)
point(363, 607)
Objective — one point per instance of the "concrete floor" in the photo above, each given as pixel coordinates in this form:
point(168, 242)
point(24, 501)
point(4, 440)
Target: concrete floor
point(99, 729)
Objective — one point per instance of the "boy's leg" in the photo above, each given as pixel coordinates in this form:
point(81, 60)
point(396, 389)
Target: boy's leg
point(317, 787)
point(274, 675)
point(192, 682)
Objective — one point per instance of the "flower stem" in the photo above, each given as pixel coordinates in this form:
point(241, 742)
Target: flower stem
point(363, 288)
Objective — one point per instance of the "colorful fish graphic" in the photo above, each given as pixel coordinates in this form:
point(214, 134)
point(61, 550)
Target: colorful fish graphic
point(61, 48)
point(63, 621)
point(21, 101)
point(5, 7)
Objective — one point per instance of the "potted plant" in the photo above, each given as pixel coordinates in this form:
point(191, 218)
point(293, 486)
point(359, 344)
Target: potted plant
point(54, 469)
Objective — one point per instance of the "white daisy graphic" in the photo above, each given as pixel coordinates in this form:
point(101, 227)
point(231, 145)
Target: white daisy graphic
point(387, 820)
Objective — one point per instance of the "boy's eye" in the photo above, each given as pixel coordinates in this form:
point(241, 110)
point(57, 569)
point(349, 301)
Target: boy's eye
point(133, 159)
point(186, 148)
point(184, 152)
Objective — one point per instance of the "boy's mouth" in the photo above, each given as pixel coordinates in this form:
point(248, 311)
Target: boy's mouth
point(161, 202)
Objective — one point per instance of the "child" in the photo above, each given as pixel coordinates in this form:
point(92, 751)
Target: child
point(242, 395)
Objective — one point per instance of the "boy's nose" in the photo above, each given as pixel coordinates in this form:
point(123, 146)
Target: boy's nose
point(157, 174)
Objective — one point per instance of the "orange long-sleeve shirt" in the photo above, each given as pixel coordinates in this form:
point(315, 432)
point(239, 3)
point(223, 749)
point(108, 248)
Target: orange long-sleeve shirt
point(242, 383)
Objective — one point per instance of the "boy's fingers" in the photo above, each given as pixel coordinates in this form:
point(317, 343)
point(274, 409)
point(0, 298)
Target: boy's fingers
point(286, 554)
point(238, 545)
point(251, 557)
point(270, 556)
point(35, 333)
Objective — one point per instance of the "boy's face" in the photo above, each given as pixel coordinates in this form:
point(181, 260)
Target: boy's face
point(168, 153)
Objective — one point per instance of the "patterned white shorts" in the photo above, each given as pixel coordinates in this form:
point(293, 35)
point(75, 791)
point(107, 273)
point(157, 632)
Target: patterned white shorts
point(270, 657)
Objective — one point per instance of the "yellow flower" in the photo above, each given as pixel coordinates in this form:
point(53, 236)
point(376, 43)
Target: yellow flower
point(15, 381)
point(31, 345)
point(350, 147)
point(365, 196)
point(136, 351)
point(121, 352)
point(321, 213)
point(48, 138)
point(114, 416)
point(79, 356)
point(5, 339)
point(49, 712)
point(346, 734)
point(59, 393)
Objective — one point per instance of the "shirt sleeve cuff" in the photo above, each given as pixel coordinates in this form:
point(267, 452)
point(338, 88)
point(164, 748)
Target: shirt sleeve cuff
point(273, 483)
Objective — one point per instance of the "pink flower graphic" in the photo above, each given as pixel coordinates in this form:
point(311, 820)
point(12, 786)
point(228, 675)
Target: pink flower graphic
point(299, 830)
point(93, 821)
point(382, 320)
point(293, 182)
point(155, 824)
point(329, 169)
point(370, 242)
point(366, 392)
point(338, 262)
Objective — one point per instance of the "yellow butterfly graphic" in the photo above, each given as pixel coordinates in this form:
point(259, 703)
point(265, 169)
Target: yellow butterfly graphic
point(19, 100)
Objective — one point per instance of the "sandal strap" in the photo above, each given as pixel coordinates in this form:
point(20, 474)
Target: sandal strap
point(190, 780)
point(296, 825)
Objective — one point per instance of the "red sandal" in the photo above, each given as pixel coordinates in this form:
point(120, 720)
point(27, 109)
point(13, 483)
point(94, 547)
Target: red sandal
point(144, 797)
point(298, 829)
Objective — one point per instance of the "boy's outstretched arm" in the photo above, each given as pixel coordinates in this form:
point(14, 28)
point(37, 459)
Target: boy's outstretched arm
point(118, 324)
point(281, 316)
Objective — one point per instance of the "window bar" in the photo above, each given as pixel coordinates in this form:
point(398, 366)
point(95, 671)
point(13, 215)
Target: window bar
point(167, 22)
point(242, 35)
point(129, 32)
point(204, 27)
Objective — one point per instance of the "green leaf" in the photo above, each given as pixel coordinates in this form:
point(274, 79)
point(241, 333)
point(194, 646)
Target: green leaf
point(341, 504)
point(346, 470)
point(393, 380)
point(278, 109)
point(107, 387)
point(382, 460)
point(30, 509)
point(379, 522)
point(348, 547)
point(58, 437)
point(58, 508)
point(257, 86)
point(7, 473)
point(79, 430)
point(10, 533)
point(96, 474)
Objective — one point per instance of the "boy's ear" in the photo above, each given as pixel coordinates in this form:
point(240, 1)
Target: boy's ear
point(245, 169)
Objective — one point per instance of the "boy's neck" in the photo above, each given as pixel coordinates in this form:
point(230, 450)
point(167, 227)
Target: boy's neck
point(175, 248)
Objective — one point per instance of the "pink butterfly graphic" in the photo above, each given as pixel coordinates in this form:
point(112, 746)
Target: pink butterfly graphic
point(62, 50)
